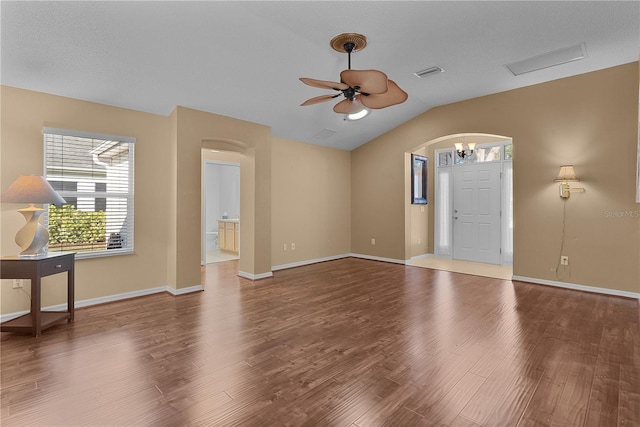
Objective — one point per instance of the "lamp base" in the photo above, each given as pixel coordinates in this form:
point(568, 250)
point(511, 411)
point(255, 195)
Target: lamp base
point(32, 237)
point(565, 190)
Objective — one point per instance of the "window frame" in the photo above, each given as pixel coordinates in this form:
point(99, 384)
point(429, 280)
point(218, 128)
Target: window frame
point(129, 195)
point(419, 173)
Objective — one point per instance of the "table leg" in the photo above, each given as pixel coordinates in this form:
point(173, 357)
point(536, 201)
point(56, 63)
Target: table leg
point(71, 293)
point(36, 312)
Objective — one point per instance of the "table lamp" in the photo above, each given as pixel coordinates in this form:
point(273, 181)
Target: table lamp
point(31, 189)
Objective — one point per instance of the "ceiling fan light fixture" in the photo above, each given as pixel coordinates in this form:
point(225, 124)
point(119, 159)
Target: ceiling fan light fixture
point(356, 116)
point(370, 89)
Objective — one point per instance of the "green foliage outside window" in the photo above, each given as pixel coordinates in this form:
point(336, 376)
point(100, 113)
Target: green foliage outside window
point(508, 152)
point(68, 225)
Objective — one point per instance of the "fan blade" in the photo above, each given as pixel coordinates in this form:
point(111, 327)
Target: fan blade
point(394, 96)
point(323, 84)
point(319, 99)
point(368, 81)
point(348, 106)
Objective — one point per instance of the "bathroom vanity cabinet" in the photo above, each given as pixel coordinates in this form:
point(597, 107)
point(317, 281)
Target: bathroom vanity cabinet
point(228, 239)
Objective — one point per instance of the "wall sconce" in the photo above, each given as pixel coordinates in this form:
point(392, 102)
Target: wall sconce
point(565, 176)
point(462, 153)
point(31, 189)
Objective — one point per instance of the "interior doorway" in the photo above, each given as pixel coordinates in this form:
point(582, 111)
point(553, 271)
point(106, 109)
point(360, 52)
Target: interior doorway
point(473, 198)
point(220, 211)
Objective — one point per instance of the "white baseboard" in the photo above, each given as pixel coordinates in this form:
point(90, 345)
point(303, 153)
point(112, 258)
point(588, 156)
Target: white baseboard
point(109, 298)
point(377, 258)
point(255, 277)
point(10, 316)
point(308, 261)
point(314, 261)
point(183, 291)
point(112, 298)
point(577, 287)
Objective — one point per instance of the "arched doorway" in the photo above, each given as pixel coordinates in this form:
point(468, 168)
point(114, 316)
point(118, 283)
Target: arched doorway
point(469, 219)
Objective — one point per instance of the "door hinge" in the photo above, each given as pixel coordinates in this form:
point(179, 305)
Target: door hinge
point(500, 251)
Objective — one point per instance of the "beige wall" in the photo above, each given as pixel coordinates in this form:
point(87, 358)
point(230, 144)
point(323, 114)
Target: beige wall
point(419, 214)
point(378, 196)
point(588, 120)
point(637, 211)
point(24, 114)
point(171, 197)
point(638, 153)
point(419, 230)
point(311, 202)
point(197, 130)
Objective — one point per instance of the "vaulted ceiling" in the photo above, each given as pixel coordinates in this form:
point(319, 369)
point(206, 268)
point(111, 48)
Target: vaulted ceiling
point(243, 59)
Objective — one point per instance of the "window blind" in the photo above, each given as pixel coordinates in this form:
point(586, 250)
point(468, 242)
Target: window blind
point(94, 174)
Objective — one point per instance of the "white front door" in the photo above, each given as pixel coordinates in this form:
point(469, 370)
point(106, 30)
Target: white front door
point(476, 212)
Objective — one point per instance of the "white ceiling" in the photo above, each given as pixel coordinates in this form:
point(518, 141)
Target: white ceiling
point(243, 59)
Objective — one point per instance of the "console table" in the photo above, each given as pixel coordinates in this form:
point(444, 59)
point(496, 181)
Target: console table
point(14, 267)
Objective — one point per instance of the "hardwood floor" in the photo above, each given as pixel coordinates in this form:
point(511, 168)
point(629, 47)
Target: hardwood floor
point(349, 343)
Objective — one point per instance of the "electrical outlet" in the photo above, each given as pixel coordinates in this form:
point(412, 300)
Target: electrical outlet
point(373, 241)
point(284, 247)
point(293, 246)
point(564, 260)
point(419, 240)
point(17, 283)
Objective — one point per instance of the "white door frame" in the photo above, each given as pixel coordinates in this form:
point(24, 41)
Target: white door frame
point(203, 215)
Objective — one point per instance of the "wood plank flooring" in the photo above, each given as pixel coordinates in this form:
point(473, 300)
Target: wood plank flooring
point(349, 343)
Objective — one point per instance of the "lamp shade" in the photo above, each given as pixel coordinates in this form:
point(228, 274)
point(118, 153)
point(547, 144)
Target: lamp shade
point(31, 189)
point(566, 174)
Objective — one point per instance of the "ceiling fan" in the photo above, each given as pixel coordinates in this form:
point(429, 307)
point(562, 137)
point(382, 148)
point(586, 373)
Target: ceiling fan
point(360, 88)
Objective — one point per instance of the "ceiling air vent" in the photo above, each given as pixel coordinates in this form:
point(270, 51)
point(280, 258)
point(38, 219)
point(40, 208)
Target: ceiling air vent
point(549, 59)
point(428, 72)
point(324, 134)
